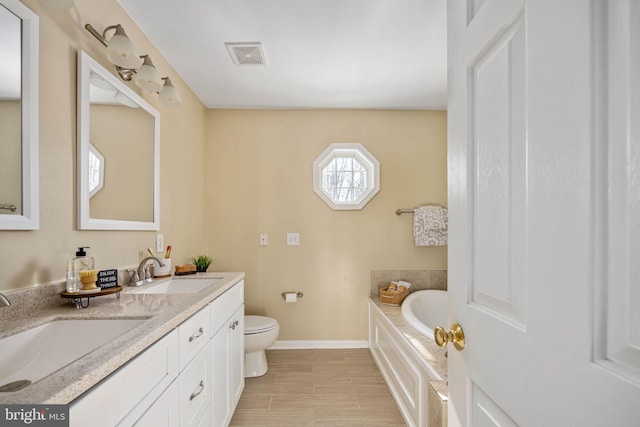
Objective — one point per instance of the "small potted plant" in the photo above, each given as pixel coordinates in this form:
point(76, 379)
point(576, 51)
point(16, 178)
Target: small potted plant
point(201, 262)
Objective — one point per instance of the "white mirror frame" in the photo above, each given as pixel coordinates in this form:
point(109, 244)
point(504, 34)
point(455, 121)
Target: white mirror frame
point(30, 218)
point(364, 157)
point(86, 65)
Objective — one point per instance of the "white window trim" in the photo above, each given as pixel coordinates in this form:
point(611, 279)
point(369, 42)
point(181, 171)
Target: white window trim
point(364, 157)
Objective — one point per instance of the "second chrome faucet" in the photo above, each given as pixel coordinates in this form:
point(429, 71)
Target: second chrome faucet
point(142, 275)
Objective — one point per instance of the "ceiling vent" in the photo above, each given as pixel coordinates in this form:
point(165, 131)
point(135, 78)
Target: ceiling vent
point(246, 53)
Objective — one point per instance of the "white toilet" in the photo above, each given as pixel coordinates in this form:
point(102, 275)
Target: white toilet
point(260, 332)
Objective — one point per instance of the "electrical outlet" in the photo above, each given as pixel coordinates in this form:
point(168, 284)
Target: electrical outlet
point(264, 239)
point(159, 243)
point(293, 239)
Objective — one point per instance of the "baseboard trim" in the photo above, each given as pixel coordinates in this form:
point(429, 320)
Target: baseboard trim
point(305, 345)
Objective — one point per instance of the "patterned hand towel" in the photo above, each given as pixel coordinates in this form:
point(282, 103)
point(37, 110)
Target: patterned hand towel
point(430, 226)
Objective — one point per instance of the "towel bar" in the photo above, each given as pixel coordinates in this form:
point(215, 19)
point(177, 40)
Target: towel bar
point(401, 211)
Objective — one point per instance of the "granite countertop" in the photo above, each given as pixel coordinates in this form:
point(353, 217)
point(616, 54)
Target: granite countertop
point(433, 355)
point(164, 312)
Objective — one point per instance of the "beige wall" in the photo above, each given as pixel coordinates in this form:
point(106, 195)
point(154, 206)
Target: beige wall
point(36, 257)
point(259, 180)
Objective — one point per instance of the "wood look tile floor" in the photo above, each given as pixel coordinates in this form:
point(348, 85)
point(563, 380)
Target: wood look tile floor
point(318, 388)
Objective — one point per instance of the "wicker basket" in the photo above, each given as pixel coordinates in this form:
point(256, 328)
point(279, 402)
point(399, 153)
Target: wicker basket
point(392, 297)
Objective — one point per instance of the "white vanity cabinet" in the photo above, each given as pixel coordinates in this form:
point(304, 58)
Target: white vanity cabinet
point(227, 347)
point(192, 377)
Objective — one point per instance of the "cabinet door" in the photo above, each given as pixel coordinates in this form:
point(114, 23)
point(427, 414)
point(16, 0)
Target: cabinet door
point(227, 347)
point(130, 390)
point(165, 412)
point(236, 359)
point(220, 345)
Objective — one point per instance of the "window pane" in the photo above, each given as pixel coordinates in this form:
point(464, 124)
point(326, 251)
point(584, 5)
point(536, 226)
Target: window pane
point(344, 176)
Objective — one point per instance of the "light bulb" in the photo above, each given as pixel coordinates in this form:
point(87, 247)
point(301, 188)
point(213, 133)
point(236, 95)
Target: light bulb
point(169, 97)
point(148, 77)
point(121, 50)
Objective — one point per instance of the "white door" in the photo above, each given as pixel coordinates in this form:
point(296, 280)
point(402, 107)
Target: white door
point(544, 204)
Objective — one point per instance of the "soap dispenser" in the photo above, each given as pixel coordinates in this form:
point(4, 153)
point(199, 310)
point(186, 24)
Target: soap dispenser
point(75, 265)
point(82, 262)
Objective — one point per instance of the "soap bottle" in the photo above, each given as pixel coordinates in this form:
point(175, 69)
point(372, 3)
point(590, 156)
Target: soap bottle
point(72, 278)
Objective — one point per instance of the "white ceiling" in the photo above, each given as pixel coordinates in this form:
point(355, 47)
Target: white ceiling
point(372, 54)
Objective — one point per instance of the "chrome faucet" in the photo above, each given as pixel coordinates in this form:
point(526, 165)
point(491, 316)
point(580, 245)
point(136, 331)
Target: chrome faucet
point(141, 275)
point(4, 302)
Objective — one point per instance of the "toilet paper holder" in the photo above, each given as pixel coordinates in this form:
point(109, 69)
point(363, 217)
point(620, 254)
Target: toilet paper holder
point(299, 294)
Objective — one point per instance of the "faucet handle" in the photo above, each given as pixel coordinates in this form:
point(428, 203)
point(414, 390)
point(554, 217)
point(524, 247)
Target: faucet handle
point(133, 276)
point(147, 272)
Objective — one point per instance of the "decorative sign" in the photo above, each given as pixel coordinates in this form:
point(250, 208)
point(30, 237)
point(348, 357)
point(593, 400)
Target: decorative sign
point(107, 278)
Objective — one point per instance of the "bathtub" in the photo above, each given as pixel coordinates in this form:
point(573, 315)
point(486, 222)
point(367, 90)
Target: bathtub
point(425, 310)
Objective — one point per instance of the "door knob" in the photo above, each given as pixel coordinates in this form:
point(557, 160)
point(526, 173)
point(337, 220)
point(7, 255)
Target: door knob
point(455, 335)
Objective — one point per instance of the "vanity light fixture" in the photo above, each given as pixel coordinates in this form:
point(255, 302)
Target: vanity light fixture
point(133, 66)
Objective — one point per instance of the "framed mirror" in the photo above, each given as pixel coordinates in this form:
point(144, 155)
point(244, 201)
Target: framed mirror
point(118, 153)
point(19, 207)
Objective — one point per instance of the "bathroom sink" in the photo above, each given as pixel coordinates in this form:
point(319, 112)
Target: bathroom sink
point(35, 353)
point(178, 286)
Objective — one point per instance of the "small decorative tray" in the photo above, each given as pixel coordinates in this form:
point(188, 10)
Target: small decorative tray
point(78, 297)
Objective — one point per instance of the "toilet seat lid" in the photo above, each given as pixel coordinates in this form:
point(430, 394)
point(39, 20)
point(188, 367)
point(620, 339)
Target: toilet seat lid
point(257, 324)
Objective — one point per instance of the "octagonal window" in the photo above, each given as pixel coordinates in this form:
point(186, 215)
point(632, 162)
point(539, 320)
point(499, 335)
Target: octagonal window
point(346, 176)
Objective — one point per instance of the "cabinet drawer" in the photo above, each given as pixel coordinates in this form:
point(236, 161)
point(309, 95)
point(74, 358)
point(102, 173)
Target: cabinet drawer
point(131, 389)
point(224, 306)
point(196, 389)
point(194, 334)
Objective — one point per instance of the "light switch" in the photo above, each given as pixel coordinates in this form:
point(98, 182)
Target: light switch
point(293, 239)
point(264, 239)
